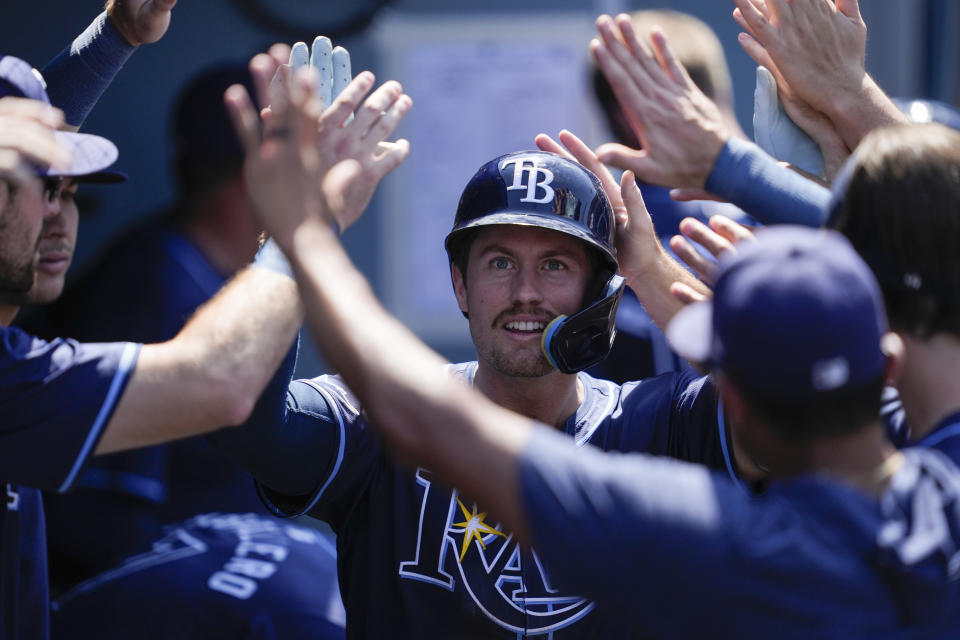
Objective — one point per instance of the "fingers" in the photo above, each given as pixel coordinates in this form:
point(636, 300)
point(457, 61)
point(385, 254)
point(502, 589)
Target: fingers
point(752, 19)
point(757, 52)
point(299, 55)
point(623, 157)
point(667, 58)
point(349, 99)
point(390, 155)
point(375, 106)
point(244, 118)
point(269, 82)
point(850, 8)
point(546, 143)
point(705, 236)
point(385, 125)
point(688, 254)
point(33, 109)
point(734, 232)
point(686, 294)
point(321, 59)
point(638, 47)
point(632, 198)
point(342, 72)
point(687, 195)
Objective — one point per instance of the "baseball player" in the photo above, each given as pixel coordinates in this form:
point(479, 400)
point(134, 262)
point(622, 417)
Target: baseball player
point(896, 202)
point(103, 398)
point(534, 271)
point(144, 291)
point(851, 539)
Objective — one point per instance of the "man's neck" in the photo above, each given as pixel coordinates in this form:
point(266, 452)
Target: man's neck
point(549, 399)
point(7, 313)
point(930, 383)
point(865, 459)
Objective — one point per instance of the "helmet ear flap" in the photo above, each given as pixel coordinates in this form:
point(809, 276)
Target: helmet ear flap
point(573, 343)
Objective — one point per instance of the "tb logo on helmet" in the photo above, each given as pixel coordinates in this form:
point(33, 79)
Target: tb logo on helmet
point(528, 165)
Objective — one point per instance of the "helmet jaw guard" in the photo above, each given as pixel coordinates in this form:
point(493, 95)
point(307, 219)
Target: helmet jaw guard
point(573, 343)
point(542, 189)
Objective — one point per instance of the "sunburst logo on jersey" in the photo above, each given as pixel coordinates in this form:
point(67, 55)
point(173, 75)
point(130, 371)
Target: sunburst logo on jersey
point(474, 527)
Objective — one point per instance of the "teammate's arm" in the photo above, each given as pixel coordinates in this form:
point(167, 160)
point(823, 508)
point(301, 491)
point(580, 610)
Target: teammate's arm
point(649, 270)
point(78, 75)
point(820, 52)
point(212, 372)
point(681, 130)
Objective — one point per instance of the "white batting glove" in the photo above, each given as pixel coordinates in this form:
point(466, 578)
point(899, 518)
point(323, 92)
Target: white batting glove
point(776, 133)
point(332, 65)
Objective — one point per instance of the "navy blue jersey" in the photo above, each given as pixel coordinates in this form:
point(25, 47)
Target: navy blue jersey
point(419, 560)
point(144, 289)
point(945, 436)
point(55, 400)
point(809, 558)
point(236, 576)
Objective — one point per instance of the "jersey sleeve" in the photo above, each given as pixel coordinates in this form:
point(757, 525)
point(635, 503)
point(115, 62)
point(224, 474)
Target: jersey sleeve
point(749, 178)
point(647, 535)
point(328, 435)
point(56, 398)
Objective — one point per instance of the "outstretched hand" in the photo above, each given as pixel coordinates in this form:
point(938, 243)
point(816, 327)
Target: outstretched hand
point(636, 240)
point(816, 49)
point(681, 131)
point(28, 138)
point(140, 21)
point(309, 162)
point(719, 238)
point(817, 46)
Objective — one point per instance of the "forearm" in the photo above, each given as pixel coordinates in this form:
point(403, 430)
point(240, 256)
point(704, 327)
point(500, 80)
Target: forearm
point(78, 75)
point(755, 182)
point(652, 287)
point(212, 372)
point(431, 419)
point(855, 114)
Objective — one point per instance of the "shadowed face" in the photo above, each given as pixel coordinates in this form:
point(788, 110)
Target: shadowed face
point(55, 252)
point(518, 279)
point(24, 207)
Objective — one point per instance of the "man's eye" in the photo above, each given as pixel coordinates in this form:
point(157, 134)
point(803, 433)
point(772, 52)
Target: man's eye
point(500, 263)
point(555, 265)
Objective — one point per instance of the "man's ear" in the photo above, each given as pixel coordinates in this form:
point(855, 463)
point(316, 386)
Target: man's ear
point(892, 345)
point(459, 288)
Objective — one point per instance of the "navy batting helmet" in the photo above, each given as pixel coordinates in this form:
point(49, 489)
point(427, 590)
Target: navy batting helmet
point(542, 189)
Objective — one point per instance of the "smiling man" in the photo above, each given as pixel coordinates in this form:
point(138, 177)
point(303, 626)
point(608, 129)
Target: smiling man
point(534, 270)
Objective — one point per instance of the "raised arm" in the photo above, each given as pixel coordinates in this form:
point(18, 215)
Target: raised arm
point(682, 135)
point(819, 48)
point(399, 381)
point(78, 75)
point(650, 271)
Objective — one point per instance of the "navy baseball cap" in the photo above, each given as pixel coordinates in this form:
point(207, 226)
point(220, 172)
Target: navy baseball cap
point(89, 154)
point(796, 314)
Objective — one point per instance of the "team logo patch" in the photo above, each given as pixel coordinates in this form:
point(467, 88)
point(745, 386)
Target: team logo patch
point(538, 179)
point(459, 550)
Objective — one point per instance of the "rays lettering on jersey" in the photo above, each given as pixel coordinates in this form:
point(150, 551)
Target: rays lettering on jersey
point(528, 166)
point(456, 548)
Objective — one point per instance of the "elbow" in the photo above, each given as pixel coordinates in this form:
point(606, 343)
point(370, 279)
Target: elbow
point(232, 403)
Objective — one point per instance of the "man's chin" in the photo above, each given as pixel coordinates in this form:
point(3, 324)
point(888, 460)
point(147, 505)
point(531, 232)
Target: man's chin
point(533, 367)
point(45, 292)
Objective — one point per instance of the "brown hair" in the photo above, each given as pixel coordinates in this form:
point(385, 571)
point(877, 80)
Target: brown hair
point(901, 210)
